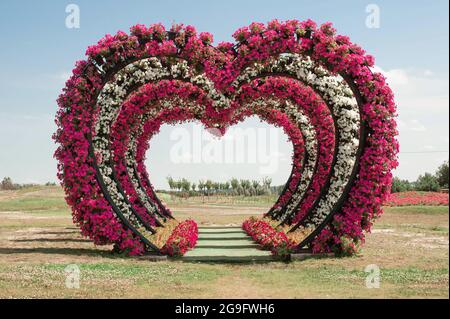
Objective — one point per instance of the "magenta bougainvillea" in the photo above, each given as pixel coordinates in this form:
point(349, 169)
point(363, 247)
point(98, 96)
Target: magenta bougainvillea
point(183, 238)
point(418, 199)
point(308, 80)
point(269, 238)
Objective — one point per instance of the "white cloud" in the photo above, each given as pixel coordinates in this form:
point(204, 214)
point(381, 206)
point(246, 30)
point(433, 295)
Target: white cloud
point(417, 126)
point(422, 99)
point(64, 76)
point(280, 156)
point(411, 125)
point(395, 76)
point(428, 73)
point(53, 82)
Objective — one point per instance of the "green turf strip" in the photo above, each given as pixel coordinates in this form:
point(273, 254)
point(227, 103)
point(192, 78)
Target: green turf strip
point(226, 244)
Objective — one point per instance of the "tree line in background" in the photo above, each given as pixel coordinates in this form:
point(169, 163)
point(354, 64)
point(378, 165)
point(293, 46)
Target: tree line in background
point(233, 187)
point(426, 183)
point(7, 184)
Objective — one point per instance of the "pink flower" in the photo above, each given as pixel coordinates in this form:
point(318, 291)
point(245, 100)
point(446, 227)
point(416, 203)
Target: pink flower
point(77, 114)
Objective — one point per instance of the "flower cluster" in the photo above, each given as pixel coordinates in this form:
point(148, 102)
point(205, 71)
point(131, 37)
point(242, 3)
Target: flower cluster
point(335, 93)
point(183, 238)
point(417, 199)
point(265, 235)
point(315, 84)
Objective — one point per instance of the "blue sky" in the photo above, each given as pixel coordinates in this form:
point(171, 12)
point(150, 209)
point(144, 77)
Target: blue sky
point(38, 52)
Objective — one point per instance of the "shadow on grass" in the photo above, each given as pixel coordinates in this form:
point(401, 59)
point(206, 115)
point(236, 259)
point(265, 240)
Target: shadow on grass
point(59, 232)
point(52, 240)
point(59, 251)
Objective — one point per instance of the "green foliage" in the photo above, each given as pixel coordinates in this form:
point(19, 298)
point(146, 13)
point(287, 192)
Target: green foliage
point(442, 175)
point(233, 187)
point(401, 185)
point(7, 184)
point(34, 204)
point(427, 183)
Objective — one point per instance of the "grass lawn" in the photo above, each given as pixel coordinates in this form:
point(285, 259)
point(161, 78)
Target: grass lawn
point(38, 240)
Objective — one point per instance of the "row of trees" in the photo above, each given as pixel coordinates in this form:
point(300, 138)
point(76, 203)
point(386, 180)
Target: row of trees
point(7, 184)
point(232, 187)
point(427, 182)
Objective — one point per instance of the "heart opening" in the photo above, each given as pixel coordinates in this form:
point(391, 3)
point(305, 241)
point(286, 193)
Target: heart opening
point(252, 151)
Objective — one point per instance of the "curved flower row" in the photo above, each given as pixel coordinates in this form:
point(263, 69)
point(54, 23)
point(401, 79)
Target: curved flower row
point(265, 112)
point(297, 95)
point(139, 106)
point(315, 84)
point(303, 163)
point(146, 70)
point(183, 238)
point(265, 235)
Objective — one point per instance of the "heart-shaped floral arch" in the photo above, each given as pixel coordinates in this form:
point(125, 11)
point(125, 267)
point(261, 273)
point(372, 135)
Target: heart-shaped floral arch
point(316, 85)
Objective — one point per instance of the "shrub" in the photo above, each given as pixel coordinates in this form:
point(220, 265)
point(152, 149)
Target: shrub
point(400, 185)
point(427, 183)
point(442, 175)
point(7, 184)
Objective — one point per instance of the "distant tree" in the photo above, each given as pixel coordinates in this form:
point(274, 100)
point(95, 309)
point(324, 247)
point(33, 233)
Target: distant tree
point(216, 186)
point(245, 187)
point(185, 185)
point(171, 182)
point(179, 185)
point(245, 184)
point(7, 184)
point(226, 187)
point(442, 175)
point(267, 182)
point(255, 189)
point(400, 185)
point(194, 187)
point(209, 186)
point(201, 186)
point(240, 190)
point(234, 182)
point(427, 183)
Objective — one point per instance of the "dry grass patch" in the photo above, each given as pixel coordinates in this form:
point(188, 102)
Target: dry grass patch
point(38, 240)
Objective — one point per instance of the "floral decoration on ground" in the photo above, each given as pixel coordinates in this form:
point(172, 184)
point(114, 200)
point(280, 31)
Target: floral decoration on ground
point(182, 239)
point(269, 238)
point(417, 199)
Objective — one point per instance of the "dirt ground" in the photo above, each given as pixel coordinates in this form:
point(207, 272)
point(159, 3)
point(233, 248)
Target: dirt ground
point(410, 245)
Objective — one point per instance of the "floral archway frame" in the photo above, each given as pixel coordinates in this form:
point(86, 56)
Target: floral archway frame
point(316, 85)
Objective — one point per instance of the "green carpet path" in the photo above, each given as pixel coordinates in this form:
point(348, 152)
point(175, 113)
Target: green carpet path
point(226, 244)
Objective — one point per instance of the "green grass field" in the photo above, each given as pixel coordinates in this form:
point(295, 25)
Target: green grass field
point(38, 241)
